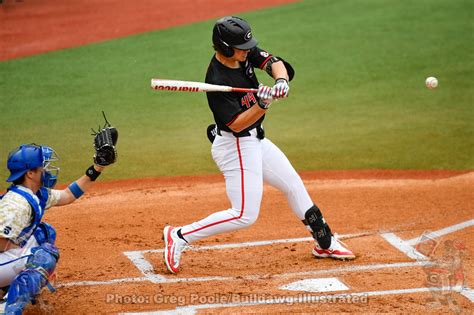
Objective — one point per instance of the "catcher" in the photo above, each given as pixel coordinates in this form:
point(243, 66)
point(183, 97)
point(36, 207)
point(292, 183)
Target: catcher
point(28, 255)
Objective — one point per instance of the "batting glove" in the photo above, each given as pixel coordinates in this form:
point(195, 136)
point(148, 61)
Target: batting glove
point(265, 96)
point(281, 88)
point(264, 92)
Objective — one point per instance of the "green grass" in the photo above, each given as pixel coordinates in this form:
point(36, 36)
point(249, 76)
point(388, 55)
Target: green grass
point(358, 100)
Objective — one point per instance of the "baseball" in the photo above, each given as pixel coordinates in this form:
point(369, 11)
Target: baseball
point(431, 82)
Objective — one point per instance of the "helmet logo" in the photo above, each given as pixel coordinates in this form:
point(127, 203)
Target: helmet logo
point(248, 35)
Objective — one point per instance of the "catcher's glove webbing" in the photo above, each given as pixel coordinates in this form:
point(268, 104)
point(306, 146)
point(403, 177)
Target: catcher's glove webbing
point(105, 140)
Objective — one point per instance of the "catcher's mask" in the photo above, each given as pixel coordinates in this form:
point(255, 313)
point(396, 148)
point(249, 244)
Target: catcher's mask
point(232, 32)
point(31, 156)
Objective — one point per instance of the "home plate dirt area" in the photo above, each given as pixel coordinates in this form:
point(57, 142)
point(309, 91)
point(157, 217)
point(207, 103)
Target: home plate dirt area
point(411, 231)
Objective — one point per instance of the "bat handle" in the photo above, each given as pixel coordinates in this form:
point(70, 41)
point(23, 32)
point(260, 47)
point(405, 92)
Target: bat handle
point(244, 90)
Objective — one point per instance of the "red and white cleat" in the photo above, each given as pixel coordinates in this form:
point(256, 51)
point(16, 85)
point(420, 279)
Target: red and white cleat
point(337, 250)
point(174, 247)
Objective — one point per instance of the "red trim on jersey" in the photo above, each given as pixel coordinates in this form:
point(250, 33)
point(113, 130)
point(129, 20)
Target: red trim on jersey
point(243, 196)
point(265, 61)
point(233, 119)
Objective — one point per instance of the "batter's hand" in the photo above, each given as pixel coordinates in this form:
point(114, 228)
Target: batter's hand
point(281, 88)
point(264, 92)
point(265, 96)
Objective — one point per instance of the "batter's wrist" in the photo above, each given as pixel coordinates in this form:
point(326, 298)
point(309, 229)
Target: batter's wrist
point(263, 105)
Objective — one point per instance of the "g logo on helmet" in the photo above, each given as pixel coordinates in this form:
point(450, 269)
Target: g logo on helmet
point(248, 35)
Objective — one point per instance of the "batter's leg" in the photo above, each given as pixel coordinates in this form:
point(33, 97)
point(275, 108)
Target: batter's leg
point(240, 160)
point(278, 172)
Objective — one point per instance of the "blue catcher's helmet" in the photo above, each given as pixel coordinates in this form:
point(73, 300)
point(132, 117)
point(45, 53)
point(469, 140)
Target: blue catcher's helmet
point(30, 156)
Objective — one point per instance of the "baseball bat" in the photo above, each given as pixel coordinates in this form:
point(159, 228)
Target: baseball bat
point(190, 86)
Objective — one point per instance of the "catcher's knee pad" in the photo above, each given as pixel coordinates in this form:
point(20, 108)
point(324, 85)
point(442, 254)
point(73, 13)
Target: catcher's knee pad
point(45, 233)
point(28, 283)
point(318, 227)
point(44, 257)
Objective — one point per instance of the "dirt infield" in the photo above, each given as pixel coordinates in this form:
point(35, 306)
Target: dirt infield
point(111, 262)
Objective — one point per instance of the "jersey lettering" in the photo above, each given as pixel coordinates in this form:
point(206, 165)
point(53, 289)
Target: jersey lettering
point(252, 98)
point(248, 100)
point(7, 230)
point(245, 101)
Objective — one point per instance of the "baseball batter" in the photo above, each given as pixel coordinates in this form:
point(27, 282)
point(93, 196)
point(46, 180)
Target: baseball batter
point(242, 152)
point(28, 254)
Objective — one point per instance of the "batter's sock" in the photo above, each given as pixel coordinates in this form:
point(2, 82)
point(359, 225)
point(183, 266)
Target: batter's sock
point(181, 235)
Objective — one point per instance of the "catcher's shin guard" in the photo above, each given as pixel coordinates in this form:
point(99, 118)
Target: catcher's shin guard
point(28, 283)
point(318, 227)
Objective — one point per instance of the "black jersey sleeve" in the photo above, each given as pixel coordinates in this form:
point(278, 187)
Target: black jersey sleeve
point(259, 57)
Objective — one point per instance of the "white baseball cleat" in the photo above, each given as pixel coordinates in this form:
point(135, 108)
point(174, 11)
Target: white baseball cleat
point(174, 247)
point(337, 250)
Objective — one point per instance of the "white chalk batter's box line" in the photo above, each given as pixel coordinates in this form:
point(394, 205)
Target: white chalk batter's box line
point(138, 259)
point(146, 268)
point(404, 246)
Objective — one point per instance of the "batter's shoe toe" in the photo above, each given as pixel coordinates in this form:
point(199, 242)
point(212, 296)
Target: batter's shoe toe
point(174, 247)
point(337, 250)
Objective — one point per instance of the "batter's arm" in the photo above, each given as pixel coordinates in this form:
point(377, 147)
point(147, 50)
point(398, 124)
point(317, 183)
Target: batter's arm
point(279, 70)
point(247, 118)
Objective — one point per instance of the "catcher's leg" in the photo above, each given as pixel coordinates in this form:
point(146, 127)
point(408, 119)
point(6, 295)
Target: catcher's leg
point(33, 269)
point(29, 282)
point(45, 233)
point(13, 261)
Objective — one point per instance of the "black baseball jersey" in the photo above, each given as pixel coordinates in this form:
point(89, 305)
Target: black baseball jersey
point(227, 106)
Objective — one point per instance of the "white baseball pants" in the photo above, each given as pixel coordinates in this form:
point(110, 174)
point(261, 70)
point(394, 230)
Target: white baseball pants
point(13, 261)
point(246, 163)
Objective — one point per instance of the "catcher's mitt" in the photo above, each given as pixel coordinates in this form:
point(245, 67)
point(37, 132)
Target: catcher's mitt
point(105, 140)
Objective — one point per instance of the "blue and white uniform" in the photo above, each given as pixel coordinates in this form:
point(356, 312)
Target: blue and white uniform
point(20, 222)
